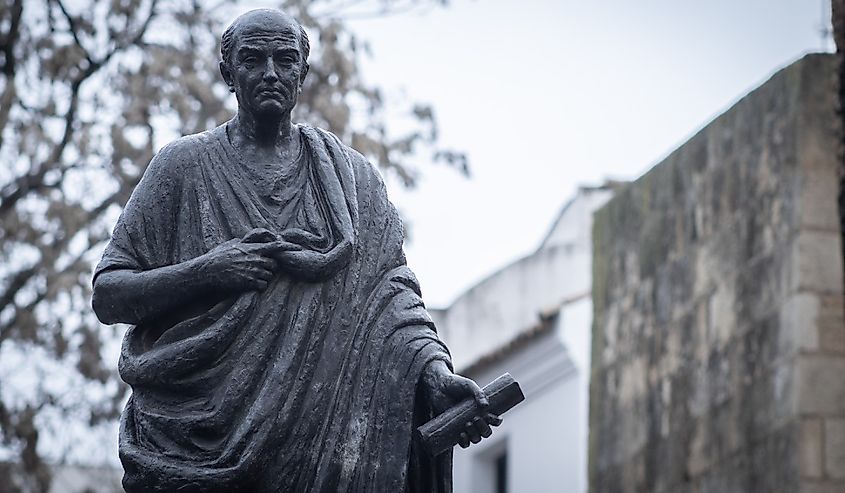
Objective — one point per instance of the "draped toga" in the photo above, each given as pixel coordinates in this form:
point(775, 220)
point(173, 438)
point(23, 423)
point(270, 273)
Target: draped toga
point(307, 386)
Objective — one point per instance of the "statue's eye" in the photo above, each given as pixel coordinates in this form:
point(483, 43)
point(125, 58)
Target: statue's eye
point(250, 60)
point(285, 60)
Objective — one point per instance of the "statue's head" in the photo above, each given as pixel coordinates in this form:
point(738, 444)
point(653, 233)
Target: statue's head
point(264, 61)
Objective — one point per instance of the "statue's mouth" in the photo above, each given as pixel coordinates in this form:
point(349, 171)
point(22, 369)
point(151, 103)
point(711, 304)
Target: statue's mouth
point(271, 92)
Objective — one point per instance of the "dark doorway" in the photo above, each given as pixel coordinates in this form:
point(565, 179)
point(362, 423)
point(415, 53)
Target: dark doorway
point(502, 473)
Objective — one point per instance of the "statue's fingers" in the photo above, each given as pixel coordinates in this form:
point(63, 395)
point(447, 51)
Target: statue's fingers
point(287, 246)
point(273, 247)
point(266, 263)
point(253, 271)
point(259, 235)
point(253, 262)
point(472, 432)
point(482, 427)
point(226, 244)
point(463, 440)
point(493, 419)
point(479, 395)
point(297, 235)
point(263, 248)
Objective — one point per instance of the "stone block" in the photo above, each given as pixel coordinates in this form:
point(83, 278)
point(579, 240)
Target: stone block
point(817, 262)
point(810, 448)
point(702, 325)
point(819, 195)
point(759, 349)
point(700, 455)
point(820, 384)
point(799, 323)
point(699, 395)
point(633, 381)
point(732, 476)
point(722, 316)
point(634, 474)
point(727, 429)
point(759, 290)
point(771, 400)
point(831, 326)
point(774, 463)
point(632, 432)
point(834, 450)
point(819, 134)
point(822, 487)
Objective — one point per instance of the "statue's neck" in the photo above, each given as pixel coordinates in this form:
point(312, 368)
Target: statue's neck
point(267, 133)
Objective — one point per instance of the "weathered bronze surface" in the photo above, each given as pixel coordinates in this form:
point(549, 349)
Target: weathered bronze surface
point(445, 431)
point(278, 341)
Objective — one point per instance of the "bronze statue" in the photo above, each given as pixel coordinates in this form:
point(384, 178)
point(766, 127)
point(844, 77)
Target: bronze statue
point(279, 342)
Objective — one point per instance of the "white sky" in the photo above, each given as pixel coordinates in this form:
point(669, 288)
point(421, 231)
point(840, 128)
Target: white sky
point(548, 95)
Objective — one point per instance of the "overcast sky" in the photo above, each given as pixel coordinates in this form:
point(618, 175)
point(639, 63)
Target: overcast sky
point(548, 95)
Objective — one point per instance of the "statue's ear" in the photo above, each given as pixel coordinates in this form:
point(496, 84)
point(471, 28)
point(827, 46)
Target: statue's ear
point(302, 75)
point(227, 75)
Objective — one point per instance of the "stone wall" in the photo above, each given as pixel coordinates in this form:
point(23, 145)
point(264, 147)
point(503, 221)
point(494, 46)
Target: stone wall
point(718, 339)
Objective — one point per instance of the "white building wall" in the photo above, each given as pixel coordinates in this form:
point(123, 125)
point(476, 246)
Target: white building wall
point(543, 437)
point(546, 436)
point(574, 225)
point(494, 311)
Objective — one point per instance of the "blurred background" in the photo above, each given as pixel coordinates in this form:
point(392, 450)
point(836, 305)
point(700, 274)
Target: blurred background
point(499, 125)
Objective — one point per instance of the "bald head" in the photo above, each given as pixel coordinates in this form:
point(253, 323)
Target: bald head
point(263, 21)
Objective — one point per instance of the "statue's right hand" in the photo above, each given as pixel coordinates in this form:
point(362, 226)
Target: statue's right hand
point(242, 264)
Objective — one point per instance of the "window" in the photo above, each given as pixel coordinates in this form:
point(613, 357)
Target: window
point(501, 471)
point(490, 468)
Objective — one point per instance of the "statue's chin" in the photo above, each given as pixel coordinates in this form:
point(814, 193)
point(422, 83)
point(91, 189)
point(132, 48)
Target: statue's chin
point(271, 110)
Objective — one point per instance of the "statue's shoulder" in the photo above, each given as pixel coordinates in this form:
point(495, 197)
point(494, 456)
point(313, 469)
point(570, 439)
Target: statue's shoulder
point(181, 155)
point(360, 164)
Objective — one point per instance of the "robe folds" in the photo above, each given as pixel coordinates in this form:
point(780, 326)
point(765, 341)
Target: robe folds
point(307, 386)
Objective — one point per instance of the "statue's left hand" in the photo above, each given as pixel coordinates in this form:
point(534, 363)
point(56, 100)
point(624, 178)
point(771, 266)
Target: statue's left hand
point(446, 389)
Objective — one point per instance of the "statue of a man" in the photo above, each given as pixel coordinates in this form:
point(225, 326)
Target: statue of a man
point(278, 342)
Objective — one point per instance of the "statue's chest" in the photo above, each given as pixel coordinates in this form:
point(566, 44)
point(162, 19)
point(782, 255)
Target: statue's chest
point(285, 191)
point(270, 174)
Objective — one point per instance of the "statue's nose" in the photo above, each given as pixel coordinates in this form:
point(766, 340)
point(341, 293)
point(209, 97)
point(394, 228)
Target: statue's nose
point(270, 70)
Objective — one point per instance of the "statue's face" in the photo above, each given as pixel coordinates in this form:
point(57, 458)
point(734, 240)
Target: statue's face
point(267, 66)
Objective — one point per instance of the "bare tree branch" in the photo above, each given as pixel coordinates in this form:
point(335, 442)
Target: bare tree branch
point(11, 38)
point(20, 279)
point(33, 181)
point(17, 282)
point(9, 66)
point(73, 30)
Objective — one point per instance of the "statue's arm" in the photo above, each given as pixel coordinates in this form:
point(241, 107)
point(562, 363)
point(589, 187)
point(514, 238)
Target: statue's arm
point(132, 296)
